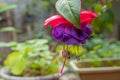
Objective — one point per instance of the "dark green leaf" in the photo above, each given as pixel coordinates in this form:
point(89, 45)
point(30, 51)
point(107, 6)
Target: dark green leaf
point(70, 9)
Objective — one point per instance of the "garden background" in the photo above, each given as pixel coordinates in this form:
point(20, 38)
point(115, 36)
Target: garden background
point(22, 20)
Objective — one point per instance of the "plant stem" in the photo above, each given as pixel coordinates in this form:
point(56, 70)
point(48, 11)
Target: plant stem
point(62, 68)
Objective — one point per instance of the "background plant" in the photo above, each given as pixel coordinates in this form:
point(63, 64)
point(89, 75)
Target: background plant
point(97, 48)
point(105, 22)
point(31, 58)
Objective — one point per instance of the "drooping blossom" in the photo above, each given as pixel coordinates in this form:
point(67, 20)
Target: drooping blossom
point(64, 31)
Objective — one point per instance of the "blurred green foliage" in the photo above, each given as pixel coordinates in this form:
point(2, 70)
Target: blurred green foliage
point(97, 48)
point(7, 8)
point(105, 21)
point(31, 58)
point(9, 29)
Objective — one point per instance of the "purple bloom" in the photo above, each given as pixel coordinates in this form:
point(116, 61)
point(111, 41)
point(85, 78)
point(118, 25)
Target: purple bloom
point(65, 32)
point(69, 34)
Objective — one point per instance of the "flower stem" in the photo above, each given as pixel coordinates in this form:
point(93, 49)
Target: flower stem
point(62, 68)
point(65, 58)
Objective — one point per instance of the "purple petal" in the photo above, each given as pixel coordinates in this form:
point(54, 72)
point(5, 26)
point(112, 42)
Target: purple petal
point(83, 41)
point(86, 28)
point(58, 32)
point(76, 33)
point(71, 35)
point(70, 40)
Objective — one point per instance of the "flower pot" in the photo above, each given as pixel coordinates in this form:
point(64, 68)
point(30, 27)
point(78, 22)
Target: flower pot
point(109, 70)
point(4, 74)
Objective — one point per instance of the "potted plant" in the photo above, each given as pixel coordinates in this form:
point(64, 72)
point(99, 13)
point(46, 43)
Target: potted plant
point(106, 71)
point(30, 60)
point(100, 62)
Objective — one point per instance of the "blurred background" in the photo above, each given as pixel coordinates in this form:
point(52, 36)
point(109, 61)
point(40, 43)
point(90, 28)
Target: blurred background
point(22, 20)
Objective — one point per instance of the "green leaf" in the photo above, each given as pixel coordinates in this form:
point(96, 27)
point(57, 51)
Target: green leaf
point(109, 26)
point(98, 8)
point(16, 62)
point(109, 4)
point(9, 29)
point(41, 62)
point(8, 7)
point(70, 9)
point(3, 44)
point(7, 44)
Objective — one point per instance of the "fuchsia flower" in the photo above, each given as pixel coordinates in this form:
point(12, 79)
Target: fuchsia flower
point(66, 32)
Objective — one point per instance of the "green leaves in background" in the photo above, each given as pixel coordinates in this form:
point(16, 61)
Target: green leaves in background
point(105, 20)
point(8, 7)
point(24, 53)
point(33, 56)
point(17, 62)
point(98, 8)
point(70, 9)
point(95, 49)
point(9, 29)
